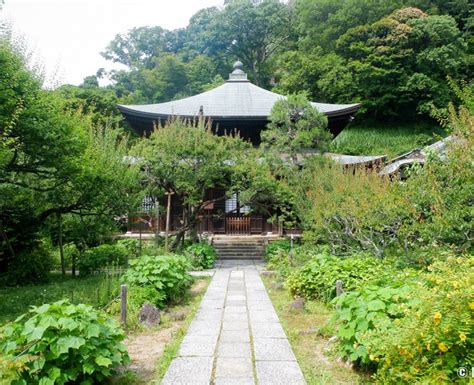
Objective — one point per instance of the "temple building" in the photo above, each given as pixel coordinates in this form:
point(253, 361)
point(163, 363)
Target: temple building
point(236, 106)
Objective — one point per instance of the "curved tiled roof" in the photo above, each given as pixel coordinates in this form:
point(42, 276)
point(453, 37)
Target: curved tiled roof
point(237, 98)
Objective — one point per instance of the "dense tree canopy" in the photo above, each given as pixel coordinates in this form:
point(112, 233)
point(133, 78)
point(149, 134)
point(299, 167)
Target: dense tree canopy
point(53, 161)
point(296, 126)
point(393, 56)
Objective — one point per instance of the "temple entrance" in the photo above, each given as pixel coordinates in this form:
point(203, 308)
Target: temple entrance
point(237, 225)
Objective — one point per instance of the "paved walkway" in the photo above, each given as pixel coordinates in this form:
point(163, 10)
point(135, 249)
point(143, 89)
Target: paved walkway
point(236, 337)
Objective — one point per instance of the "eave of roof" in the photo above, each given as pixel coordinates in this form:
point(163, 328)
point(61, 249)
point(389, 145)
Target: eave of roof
point(236, 99)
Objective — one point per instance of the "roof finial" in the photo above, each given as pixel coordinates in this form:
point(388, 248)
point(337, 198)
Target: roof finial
point(238, 65)
point(238, 74)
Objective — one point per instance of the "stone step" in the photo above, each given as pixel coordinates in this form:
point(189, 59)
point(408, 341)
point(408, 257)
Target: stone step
point(239, 243)
point(254, 253)
point(239, 258)
point(260, 252)
point(238, 247)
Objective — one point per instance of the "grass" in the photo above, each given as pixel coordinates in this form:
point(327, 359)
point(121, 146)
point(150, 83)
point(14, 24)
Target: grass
point(308, 333)
point(385, 139)
point(94, 290)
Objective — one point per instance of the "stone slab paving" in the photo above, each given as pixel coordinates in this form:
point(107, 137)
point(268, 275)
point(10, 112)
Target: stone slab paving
point(235, 337)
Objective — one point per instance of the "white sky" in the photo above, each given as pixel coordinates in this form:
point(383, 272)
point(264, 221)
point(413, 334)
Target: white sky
point(68, 35)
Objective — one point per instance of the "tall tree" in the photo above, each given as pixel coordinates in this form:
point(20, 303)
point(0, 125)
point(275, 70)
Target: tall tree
point(138, 47)
point(51, 161)
point(295, 126)
point(187, 161)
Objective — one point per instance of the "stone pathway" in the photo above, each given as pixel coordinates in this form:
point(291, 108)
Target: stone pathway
point(236, 337)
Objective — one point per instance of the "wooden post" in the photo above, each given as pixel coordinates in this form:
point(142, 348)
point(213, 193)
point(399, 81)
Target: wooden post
point(168, 215)
point(123, 304)
point(339, 289)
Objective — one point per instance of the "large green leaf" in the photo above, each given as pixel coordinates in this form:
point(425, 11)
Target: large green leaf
point(375, 305)
point(93, 331)
point(69, 342)
point(103, 361)
point(46, 381)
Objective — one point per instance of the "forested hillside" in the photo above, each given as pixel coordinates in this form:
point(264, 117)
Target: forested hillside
point(393, 56)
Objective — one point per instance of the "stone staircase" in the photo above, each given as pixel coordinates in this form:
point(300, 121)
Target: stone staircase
point(239, 247)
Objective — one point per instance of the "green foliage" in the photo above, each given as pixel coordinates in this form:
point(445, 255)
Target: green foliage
point(392, 59)
point(317, 278)
point(96, 290)
point(131, 245)
point(64, 343)
point(167, 274)
point(434, 337)
point(80, 172)
point(202, 255)
point(102, 256)
point(351, 211)
point(277, 247)
point(29, 267)
point(98, 102)
point(385, 139)
point(371, 307)
point(295, 125)
point(189, 160)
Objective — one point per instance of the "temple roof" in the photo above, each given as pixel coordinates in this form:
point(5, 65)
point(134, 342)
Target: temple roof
point(237, 98)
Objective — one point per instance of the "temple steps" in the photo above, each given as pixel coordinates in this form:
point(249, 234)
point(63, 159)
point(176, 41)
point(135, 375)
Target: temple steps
point(239, 247)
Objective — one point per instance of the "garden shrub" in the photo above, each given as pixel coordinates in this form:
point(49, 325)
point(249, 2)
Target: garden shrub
point(29, 267)
point(317, 278)
point(132, 246)
point(277, 247)
point(371, 307)
point(435, 337)
point(167, 274)
point(102, 256)
point(202, 255)
point(285, 263)
point(63, 343)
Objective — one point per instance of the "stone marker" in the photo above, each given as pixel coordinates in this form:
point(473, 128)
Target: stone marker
point(297, 304)
point(149, 315)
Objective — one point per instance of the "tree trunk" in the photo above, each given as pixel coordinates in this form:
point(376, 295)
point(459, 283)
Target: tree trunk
point(192, 225)
point(168, 214)
point(60, 243)
point(157, 230)
point(73, 267)
point(7, 241)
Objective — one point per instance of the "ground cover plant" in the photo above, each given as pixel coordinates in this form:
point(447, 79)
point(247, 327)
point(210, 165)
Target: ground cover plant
point(317, 278)
point(202, 255)
point(61, 343)
point(433, 337)
point(166, 274)
point(96, 290)
point(385, 138)
point(275, 247)
point(308, 331)
point(372, 307)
